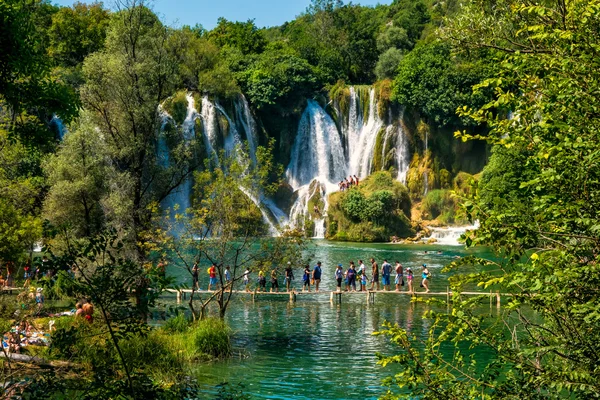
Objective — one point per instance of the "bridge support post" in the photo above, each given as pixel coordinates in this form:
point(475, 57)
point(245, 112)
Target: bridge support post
point(179, 297)
point(498, 298)
point(292, 296)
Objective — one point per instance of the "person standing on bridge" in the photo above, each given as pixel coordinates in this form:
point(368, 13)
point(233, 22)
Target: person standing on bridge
point(362, 273)
point(386, 272)
point(262, 281)
point(316, 275)
point(212, 276)
point(409, 279)
point(306, 278)
point(399, 281)
point(247, 279)
point(289, 276)
point(426, 276)
point(195, 284)
point(339, 275)
point(351, 276)
point(375, 272)
point(274, 281)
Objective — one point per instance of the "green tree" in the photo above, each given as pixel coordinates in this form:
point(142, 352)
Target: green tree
point(435, 83)
point(125, 83)
point(76, 32)
point(77, 178)
point(225, 227)
point(388, 63)
point(20, 191)
point(29, 94)
point(244, 36)
point(545, 343)
point(277, 76)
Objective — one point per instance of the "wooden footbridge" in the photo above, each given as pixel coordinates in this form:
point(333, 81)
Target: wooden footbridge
point(336, 296)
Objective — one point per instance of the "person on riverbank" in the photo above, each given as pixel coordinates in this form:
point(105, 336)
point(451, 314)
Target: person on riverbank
point(195, 282)
point(426, 276)
point(409, 279)
point(316, 275)
point(88, 312)
point(375, 272)
point(339, 275)
point(262, 282)
point(247, 279)
point(306, 278)
point(212, 276)
point(351, 276)
point(399, 281)
point(386, 273)
point(274, 281)
point(289, 276)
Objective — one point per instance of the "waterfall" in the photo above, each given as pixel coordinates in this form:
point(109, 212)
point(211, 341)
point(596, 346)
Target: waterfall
point(273, 231)
point(244, 116)
point(182, 194)
point(58, 125)
point(402, 154)
point(450, 236)
point(318, 151)
point(363, 142)
point(272, 215)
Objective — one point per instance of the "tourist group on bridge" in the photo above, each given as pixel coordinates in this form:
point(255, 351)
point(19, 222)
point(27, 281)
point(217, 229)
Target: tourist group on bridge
point(351, 279)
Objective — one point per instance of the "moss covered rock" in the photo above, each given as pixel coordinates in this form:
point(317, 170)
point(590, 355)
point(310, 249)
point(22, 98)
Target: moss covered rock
point(372, 212)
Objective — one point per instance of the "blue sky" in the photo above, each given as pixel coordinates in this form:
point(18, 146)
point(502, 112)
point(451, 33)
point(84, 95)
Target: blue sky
point(206, 12)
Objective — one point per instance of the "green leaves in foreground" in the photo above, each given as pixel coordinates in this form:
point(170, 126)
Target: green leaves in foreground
point(537, 205)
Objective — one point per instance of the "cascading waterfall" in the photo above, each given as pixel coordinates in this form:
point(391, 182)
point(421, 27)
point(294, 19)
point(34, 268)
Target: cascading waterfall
point(362, 142)
point(402, 154)
point(244, 116)
point(450, 236)
point(272, 215)
point(321, 157)
point(210, 125)
point(318, 151)
point(57, 123)
point(181, 195)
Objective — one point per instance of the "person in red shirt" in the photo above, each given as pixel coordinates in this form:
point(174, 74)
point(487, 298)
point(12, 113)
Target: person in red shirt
point(212, 274)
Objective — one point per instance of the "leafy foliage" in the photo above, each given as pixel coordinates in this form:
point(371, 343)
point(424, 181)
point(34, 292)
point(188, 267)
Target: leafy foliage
point(542, 220)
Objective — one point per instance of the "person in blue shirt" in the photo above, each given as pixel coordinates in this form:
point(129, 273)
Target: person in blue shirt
point(316, 275)
point(339, 275)
point(386, 272)
point(351, 276)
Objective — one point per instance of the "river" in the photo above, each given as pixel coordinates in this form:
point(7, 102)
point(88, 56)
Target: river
point(313, 349)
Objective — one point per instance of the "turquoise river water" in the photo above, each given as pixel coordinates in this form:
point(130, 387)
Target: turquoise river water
point(312, 349)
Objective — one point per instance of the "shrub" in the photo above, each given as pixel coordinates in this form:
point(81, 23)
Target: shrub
point(176, 106)
point(212, 337)
point(177, 324)
point(353, 204)
point(438, 202)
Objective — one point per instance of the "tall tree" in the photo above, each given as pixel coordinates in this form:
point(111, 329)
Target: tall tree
point(125, 83)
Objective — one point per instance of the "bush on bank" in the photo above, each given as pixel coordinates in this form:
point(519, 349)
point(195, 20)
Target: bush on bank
point(372, 212)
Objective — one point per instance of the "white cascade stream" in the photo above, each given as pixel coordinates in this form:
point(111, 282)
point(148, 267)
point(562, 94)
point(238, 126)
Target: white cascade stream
point(450, 235)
